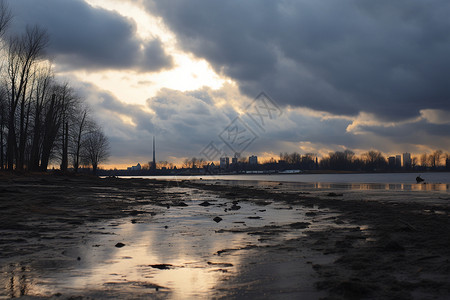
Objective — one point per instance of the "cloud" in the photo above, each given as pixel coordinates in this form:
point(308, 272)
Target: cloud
point(345, 57)
point(86, 37)
point(436, 116)
point(184, 123)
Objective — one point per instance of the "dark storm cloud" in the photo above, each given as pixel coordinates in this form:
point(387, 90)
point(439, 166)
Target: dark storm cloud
point(155, 58)
point(413, 132)
point(182, 123)
point(89, 38)
point(384, 57)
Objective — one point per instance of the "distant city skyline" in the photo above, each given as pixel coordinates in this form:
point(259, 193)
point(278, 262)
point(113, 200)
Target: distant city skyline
point(403, 160)
point(355, 75)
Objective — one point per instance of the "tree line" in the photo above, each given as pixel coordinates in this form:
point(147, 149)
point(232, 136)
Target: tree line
point(346, 160)
point(375, 161)
point(42, 120)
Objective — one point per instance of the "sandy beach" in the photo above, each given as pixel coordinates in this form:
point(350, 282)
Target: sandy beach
point(73, 236)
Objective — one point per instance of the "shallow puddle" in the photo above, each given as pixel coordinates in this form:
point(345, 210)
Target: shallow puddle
point(172, 251)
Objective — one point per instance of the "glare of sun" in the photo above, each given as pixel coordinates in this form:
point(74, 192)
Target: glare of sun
point(188, 73)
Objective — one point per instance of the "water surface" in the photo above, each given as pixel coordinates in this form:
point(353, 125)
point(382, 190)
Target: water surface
point(439, 181)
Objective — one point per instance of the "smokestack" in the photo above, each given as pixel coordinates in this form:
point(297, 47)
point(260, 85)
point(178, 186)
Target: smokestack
point(154, 159)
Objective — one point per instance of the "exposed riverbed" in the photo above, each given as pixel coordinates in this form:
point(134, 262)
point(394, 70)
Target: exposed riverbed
point(117, 238)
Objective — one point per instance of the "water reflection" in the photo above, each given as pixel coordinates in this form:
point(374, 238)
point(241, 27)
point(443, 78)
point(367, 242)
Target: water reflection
point(383, 186)
point(15, 280)
point(435, 181)
point(172, 251)
point(346, 186)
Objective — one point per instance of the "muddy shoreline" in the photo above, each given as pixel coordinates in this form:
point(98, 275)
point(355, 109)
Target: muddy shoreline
point(347, 245)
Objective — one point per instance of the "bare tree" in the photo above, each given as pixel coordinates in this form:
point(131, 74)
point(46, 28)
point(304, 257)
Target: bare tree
point(374, 160)
point(42, 95)
point(81, 125)
point(424, 160)
point(414, 162)
point(23, 53)
point(95, 148)
point(194, 161)
point(437, 156)
point(5, 17)
point(186, 163)
point(3, 123)
point(163, 163)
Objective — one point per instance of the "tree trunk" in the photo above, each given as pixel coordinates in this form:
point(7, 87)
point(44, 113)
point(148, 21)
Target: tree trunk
point(35, 146)
point(65, 141)
point(2, 162)
point(78, 149)
point(50, 132)
point(11, 142)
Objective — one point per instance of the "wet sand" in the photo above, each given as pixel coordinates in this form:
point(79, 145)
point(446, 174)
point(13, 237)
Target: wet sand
point(63, 237)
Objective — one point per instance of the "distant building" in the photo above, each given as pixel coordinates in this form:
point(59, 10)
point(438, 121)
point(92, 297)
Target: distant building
point(398, 161)
point(135, 168)
point(234, 160)
point(391, 162)
point(253, 160)
point(224, 162)
point(407, 160)
point(153, 166)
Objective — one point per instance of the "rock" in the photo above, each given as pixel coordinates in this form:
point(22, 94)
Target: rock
point(162, 266)
point(235, 207)
point(120, 245)
point(223, 265)
point(299, 225)
point(205, 203)
point(217, 219)
point(332, 194)
point(221, 251)
point(231, 194)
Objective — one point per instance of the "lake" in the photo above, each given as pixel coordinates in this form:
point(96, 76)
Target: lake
point(359, 181)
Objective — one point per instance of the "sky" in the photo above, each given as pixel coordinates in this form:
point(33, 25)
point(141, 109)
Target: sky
point(211, 78)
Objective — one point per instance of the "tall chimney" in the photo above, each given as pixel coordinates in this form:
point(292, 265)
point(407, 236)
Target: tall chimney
point(154, 159)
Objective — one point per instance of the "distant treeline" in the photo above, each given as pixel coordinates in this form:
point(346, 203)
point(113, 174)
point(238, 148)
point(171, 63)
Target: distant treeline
point(375, 161)
point(371, 161)
point(42, 121)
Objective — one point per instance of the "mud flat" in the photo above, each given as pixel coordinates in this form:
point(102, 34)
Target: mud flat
point(63, 237)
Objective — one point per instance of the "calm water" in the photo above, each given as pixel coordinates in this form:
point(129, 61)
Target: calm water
point(186, 239)
point(388, 181)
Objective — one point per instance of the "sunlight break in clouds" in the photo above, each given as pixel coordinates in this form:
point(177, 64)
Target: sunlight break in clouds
point(188, 72)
